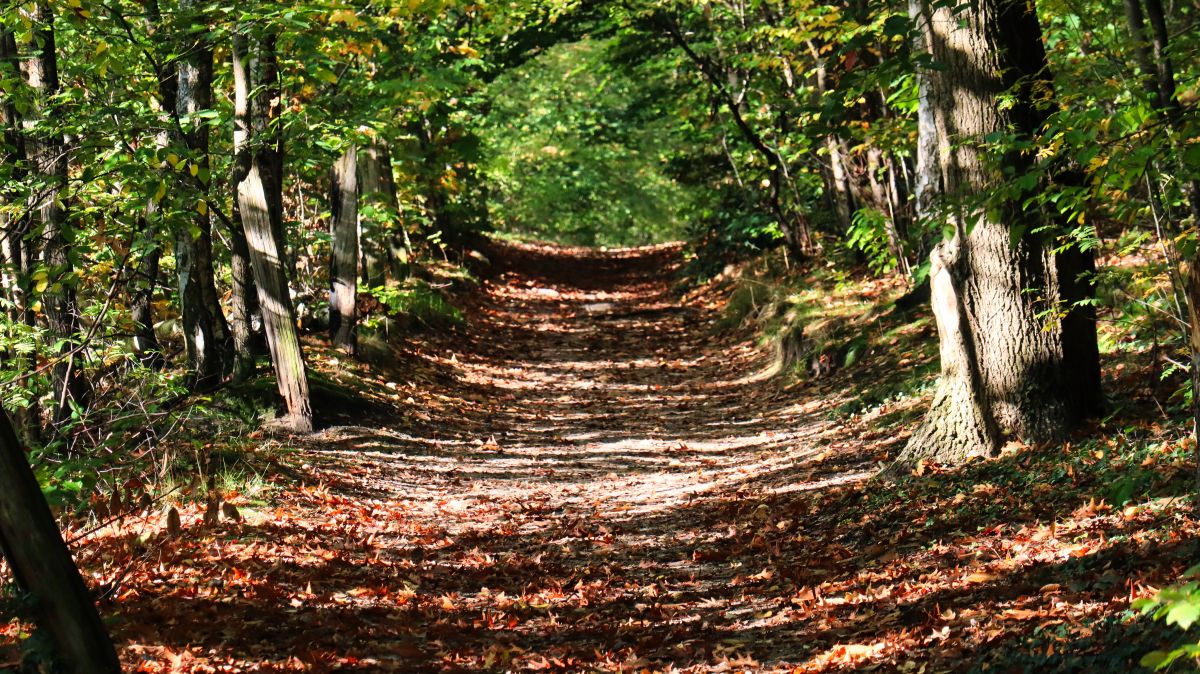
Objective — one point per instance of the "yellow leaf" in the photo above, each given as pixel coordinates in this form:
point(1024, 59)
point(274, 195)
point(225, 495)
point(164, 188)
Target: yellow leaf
point(202, 207)
point(194, 170)
point(172, 159)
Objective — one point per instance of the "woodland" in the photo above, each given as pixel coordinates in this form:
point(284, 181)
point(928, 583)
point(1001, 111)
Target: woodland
point(599, 336)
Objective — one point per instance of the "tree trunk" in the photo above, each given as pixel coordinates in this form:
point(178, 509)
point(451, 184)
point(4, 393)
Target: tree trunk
point(42, 566)
point(793, 226)
point(383, 241)
point(15, 271)
point(206, 332)
point(47, 161)
point(1158, 72)
point(244, 301)
point(146, 277)
point(1011, 368)
point(343, 263)
point(260, 200)
point(141, 308)
point(16, 258)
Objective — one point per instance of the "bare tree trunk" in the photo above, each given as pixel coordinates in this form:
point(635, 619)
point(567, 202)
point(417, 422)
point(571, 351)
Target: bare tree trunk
point(243, 300)
point(260, 201)
point(47, 160)
point(42, 566)
point(793, 226)
point(343, 263)
point(206, 332)
point(15, 255)
point(1011, 368)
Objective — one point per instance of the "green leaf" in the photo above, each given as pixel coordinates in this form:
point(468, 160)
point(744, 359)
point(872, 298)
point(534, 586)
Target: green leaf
point(1183, 614)
point(1154, 659)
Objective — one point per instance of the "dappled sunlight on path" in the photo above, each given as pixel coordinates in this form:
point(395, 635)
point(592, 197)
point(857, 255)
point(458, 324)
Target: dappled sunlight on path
point(591, 476)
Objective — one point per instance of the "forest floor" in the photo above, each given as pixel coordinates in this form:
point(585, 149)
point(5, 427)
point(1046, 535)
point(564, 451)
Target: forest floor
point(592, 474)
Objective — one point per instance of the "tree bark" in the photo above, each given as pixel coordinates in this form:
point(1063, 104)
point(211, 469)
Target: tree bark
point(16, 268)
point(42, 566)
point(260, 200)
point(146, 276)
point(206, 333)
point(46, 157)
point(1019, 357)
point(141, 308)
point(343, 262)
point(244, 300)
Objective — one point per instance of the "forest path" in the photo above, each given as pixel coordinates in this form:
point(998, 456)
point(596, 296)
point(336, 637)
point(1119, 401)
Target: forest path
point(575, 481)
point(581, 383)
point(570, 446)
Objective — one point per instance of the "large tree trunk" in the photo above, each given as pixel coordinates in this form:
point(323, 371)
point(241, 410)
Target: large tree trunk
point(42, 566)
point(343, 263)
point(206, 333)
point(260, 200)
point(46, 158)
point(1011, 368)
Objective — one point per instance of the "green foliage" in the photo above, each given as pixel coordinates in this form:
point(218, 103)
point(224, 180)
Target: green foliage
point(1180, 606)
point(417, 302)
point(868, 235)
point(574, 156)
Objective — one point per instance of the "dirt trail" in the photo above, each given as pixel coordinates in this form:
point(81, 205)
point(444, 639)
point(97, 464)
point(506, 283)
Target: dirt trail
point(580, 422)
point(574, 483)
point(581, 384)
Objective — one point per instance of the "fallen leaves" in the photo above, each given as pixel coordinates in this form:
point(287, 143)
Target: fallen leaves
point(614, 492)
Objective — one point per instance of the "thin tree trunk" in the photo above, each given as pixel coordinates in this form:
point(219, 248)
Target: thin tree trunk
point(206, 332)
point(42, 566)
point(146, 276)
point(343, 263)
point(260, 200)
point(12, 249)
point(382, 245)
point(47, 160)
point(15, 254)
point(1010, 368)
point(141, 309)
point(794, 229)
point(244, 301)
point(1159, 76)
